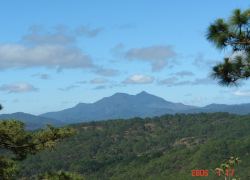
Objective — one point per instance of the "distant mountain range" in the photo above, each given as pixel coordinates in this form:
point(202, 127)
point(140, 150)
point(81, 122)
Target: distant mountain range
point(32, 121)
point(123, 106)
point(119, 105)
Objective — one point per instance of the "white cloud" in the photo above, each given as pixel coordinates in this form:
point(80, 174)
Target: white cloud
point(61, 34)
point(184, 73)
point(201, 62)
point(233, 56)
point(221, 91)
point(117, 85)
point(44, 76)
point(198, 99)
point(48, 38)
point(116, 51)
point(205, 81)
point(157, 55)
point(107, 72)
point(99, 87)
point(85, 31)
point(16, 55)
point(171, 82)
point(244, 92)
point(181, 83)
point(67, 88)
point(18, 87)
point(219, 97)
point(188, 94)
point(81, 82)
point(41, 48)
point(98, 80)
point(168, 80)
point(138, 79)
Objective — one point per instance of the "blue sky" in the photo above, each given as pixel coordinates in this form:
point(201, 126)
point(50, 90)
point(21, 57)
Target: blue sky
point(55, 54)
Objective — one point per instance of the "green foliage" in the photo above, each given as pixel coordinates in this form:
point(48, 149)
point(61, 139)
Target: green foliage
point(21, 143)
point(228, 167)
point(8, 168)
point(61, 175)
point(156, 154)
point(128, 149)
point(166, 147)
point(14, 138)
point(235, 33)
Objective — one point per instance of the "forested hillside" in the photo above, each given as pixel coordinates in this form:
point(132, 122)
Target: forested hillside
point(166, 147)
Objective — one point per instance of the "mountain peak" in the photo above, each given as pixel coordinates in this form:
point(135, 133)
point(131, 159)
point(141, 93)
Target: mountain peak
point(142, 93)
point(119, 94)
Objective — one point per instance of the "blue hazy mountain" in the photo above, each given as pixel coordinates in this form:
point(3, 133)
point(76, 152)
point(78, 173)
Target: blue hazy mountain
point(119, 105)
point(32, 121)
point(123, 106)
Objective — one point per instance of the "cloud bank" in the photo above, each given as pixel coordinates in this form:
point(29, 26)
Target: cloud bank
point(67, 88)
point(107, 72)
point(172, 82)
point(99, 87)
point(184, 73)
point(138, 79)
point(98, 80)
point(18, 87)
point(157, 55)
point(41, 48)
point(15, 55)
point(44, 76)
point(244, 92)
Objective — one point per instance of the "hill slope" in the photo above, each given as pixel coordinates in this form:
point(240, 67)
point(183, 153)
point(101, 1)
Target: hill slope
point(166, 147)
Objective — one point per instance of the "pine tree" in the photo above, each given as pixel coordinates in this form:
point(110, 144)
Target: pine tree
point(232, 33)
point(13, 137)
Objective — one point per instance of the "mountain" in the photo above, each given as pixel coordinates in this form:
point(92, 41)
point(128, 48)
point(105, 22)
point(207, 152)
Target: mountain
point(241, 110)
point(212, 108)
point(119, 105)
point(216, 106)
point(32, 121)
point(125, 106)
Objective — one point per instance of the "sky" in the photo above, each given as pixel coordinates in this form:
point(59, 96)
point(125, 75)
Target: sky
point(56, 54)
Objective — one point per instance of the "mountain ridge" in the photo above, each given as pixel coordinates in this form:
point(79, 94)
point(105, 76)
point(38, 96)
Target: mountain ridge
point(142, 104)
point(123, 106)
point(32, 121)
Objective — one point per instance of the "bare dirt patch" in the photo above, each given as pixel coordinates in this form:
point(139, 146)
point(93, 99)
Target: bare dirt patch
point(99, 128)
point(85, 127)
